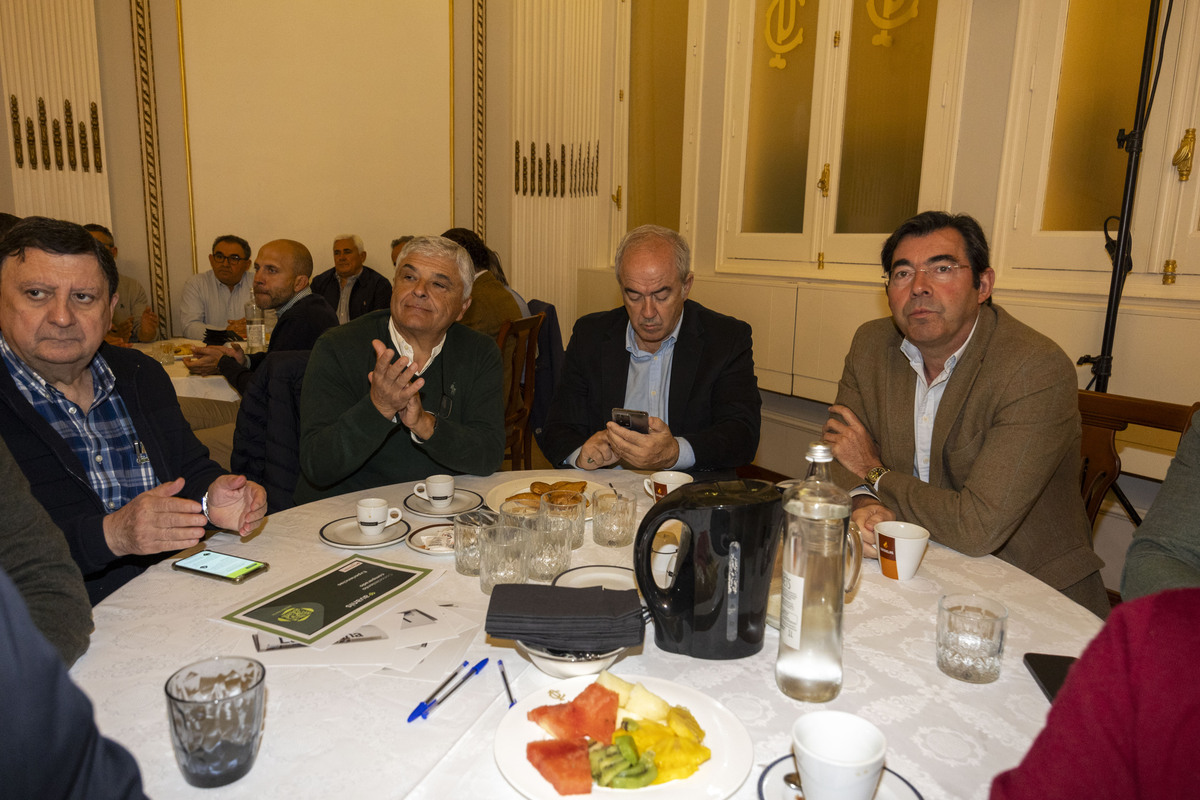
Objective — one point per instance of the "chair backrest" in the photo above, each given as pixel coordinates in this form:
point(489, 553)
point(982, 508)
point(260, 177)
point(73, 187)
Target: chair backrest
point(1103, 415)
point(522, 352)
point(550, 358)
point(266, 438)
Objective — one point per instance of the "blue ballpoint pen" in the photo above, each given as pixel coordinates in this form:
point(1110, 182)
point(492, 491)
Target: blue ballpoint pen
point(424, 705)
point(439, 700)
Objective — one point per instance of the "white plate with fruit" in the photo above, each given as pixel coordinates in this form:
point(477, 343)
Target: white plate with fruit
point(732, 752)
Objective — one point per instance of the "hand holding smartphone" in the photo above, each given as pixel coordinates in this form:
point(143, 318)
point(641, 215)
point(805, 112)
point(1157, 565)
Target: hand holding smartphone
point(638, 421)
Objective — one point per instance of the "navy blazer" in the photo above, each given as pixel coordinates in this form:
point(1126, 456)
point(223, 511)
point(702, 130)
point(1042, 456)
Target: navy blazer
point(370, 292)
point(714, 401)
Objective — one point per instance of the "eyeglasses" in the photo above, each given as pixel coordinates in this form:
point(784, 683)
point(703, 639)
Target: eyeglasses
point(938, 273)
point(234, 259)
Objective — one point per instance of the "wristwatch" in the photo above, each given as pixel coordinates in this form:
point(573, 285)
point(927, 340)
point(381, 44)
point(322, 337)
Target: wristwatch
point(875, 474)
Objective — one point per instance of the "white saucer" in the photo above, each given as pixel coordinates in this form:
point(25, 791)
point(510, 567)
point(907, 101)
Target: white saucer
point(771, 786)
point(464, 500)
point(597, 575)
point(344, 533)
point(433, 540)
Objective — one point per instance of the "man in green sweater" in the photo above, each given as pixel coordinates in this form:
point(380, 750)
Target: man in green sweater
point(399, 395)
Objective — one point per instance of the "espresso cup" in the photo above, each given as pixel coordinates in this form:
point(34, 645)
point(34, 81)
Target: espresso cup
point(901, 547)
point(660, 484)
point(374, 515)
point(437, 489)
point(839, 756)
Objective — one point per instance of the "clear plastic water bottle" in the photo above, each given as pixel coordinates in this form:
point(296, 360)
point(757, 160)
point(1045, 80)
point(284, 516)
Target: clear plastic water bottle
point(809, 664)
point(256, 329)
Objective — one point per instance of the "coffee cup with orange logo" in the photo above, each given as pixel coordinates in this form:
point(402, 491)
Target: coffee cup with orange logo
point(901, 547)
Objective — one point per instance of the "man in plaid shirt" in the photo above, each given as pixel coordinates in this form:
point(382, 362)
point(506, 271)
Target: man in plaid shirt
point(95, 428)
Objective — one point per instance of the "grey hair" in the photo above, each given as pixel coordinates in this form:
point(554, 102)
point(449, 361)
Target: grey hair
point(650, 233)
point(440, 247)
point(358, 242)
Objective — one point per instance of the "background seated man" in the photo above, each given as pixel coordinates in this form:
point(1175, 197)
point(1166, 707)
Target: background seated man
point(217, 299)
point(351, 287)
point(690, 368)
point(133, 320)
point(1165, 552)
point(963, 420)
point(96, 429)
point(403, 394)
point(491, 304)
point(281, 273)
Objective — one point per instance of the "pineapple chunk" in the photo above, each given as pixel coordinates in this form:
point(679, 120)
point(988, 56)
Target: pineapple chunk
point(612, 682)
point(649, 705)
point(684, 724)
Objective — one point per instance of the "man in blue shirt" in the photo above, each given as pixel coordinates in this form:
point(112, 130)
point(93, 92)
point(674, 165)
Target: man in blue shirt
point(690, 368)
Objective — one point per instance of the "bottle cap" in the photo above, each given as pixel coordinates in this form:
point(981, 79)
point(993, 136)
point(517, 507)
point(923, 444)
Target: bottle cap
point(819, 451)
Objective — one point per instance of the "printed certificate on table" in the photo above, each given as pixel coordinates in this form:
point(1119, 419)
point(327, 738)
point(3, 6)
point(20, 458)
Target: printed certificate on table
point(321, 604)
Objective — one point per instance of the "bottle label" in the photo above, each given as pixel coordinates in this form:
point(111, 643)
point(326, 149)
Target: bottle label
point(790, 607)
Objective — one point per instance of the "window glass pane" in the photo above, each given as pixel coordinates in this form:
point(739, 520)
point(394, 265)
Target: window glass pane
point(781, 78)
point(886, 97)
point(1097, 92)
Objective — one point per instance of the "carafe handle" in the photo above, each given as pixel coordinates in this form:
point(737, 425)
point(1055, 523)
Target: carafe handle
point(853, 557)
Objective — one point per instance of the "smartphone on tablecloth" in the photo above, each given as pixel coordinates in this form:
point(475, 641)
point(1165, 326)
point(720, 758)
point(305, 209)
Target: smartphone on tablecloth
point(1049, 671)
point(225, 567)
point(638, 421)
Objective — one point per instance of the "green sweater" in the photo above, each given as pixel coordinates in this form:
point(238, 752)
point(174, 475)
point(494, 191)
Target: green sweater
point(345, 443)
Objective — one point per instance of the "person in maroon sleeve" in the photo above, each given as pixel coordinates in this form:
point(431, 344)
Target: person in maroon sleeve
point(1126, 721)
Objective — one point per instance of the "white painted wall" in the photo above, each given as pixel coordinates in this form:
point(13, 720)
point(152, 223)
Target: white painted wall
point(307, 120)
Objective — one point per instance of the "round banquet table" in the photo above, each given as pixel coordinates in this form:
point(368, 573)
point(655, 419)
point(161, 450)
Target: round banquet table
point(331, 733)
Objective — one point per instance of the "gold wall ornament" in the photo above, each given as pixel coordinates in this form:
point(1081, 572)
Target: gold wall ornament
point(96, 136)
point(781, 16)
point(1182, 160)
point(69, 124)
point(616, 198)
point(517, 167)
point(1168, 273)
point(83, 147)
point(14, 114)
point(823, 183)
point(58, 154)
point(44, 132)
point(31, 142)
point(894, 14)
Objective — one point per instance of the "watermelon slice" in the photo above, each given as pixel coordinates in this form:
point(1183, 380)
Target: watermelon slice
point(592, 714)
point(564, 763)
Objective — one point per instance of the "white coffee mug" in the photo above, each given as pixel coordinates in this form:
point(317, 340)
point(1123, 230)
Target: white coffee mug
point(437, 489)
point(374, 515)
point(839, 756)
point(660, 484)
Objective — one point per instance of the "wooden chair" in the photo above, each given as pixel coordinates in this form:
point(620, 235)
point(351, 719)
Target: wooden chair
point(520, 369)
point(1105, 414)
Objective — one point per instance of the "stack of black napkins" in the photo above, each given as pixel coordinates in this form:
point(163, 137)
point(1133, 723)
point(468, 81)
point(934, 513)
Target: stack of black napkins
point(575, 620)
point(214, 337)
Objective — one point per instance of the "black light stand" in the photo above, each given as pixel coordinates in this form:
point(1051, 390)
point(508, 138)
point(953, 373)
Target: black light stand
point(1119, 249)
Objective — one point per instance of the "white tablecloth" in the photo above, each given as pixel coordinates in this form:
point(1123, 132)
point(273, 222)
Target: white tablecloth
point(205, 387)
point(328, 734)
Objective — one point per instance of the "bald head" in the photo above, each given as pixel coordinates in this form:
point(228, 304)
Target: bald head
point(281, 269)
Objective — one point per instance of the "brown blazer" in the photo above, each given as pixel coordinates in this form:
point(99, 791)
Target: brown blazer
point(1004, 466)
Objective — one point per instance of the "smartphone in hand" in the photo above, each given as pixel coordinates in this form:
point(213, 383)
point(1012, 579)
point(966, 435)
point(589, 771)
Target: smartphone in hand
point(638, 421)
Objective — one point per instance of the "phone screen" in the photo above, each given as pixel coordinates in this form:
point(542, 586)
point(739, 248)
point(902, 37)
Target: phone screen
point(210, 562)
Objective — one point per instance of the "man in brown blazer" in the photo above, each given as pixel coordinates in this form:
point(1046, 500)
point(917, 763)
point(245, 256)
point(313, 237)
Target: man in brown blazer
point(963, 420)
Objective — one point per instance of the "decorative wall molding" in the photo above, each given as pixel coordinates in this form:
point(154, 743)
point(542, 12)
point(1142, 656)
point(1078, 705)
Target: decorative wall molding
point(143, 57)
point(49, 66)
point(479, 116)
